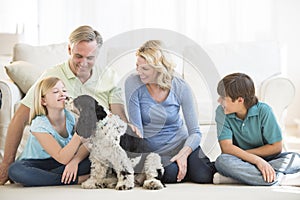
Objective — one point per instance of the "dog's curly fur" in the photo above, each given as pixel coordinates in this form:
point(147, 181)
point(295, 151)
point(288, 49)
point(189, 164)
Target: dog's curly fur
point(113, 153)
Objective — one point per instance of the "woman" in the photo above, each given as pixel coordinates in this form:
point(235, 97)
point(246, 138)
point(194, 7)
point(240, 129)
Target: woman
point(155, 98)
point(54, 154)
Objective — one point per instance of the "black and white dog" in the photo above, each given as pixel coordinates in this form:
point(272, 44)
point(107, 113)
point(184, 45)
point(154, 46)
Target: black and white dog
point(119, 159)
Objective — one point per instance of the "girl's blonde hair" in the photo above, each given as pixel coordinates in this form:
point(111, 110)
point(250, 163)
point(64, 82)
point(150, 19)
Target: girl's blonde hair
point(154, 54)
point(41, 89)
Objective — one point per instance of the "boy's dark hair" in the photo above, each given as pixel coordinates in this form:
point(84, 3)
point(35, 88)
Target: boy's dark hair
point(238, 85)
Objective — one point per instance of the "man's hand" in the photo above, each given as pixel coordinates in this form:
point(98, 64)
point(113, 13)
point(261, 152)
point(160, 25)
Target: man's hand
point(3, 173)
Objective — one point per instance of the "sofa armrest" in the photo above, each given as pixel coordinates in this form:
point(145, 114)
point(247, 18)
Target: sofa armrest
point(11, 94)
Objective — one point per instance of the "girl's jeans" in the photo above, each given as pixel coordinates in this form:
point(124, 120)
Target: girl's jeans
point(43, 172)
point(245, 172)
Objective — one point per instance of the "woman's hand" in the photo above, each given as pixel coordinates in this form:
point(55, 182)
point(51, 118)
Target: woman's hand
point(135, 130)
point(181, 159)
point(70, 172)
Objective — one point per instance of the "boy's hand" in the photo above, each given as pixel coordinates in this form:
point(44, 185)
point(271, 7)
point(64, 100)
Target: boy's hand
point(267, 170)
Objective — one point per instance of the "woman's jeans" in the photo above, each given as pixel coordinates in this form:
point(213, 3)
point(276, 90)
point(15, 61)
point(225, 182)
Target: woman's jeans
point(199, 169)
point(43, 172)
point(245, 172)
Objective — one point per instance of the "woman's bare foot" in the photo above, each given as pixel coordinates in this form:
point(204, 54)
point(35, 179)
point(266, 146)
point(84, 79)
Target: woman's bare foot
point(83, 178)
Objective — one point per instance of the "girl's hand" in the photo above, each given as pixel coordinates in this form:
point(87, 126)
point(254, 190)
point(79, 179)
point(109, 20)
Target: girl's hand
point(70, 172)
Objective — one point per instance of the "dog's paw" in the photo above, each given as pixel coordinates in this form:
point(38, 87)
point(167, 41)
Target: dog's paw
point(108, 183)
point(124, 186)
point(89, 184)
point(101, 185)
point(153, 184)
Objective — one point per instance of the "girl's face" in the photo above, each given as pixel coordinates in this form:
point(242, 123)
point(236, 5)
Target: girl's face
point(147, 73)
point(55, 97)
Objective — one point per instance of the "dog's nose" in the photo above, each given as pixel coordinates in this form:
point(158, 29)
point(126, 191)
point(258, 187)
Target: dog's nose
point(69, 98)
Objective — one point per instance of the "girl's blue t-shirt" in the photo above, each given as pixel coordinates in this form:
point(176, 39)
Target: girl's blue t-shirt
point(41, 124)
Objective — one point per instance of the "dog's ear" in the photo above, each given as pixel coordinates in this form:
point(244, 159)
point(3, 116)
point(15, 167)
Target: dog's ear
point(86, 124)
point(100, 112)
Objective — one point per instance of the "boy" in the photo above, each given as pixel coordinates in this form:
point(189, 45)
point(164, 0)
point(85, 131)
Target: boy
point(250, 137)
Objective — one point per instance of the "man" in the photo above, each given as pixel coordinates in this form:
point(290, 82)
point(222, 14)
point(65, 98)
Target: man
point(80, 77)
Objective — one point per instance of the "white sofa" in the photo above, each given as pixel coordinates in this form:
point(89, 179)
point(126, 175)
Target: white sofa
point(28, 62)
point(261, 60)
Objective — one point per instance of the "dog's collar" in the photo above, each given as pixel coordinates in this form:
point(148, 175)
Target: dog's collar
point(104, 121)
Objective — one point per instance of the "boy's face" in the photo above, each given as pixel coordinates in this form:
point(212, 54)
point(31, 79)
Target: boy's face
point(230, 106)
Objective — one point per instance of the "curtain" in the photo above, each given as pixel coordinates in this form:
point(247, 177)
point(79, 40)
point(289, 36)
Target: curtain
point(204, 21)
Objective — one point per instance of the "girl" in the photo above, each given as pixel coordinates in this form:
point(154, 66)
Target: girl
point(54, 154)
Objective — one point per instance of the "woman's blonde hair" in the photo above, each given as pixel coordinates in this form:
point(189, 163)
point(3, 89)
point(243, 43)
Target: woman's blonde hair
point(154, 54)
point(41, 89)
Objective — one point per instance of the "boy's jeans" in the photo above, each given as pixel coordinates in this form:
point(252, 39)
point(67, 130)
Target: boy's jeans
point(245, 172)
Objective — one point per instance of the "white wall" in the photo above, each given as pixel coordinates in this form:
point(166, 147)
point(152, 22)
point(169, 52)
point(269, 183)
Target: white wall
point(186, 17)
point(288, 29)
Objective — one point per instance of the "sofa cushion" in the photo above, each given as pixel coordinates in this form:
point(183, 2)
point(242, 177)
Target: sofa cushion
point(44, 55)
point(24, 74)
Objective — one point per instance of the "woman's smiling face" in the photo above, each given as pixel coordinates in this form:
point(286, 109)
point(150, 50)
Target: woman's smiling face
point(146, 72)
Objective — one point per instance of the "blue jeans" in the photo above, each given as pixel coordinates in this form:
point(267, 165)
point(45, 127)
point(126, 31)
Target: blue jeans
point(43, 172)
point(245, 172)
point(199, 169)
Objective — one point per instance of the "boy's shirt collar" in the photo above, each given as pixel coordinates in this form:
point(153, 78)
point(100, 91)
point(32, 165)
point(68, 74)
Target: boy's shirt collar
point(252, 111)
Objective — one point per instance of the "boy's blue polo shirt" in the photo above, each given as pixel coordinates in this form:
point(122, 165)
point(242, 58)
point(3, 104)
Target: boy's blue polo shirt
point(257, 129)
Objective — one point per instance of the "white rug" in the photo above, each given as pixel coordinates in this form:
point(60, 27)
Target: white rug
point(171, 192)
